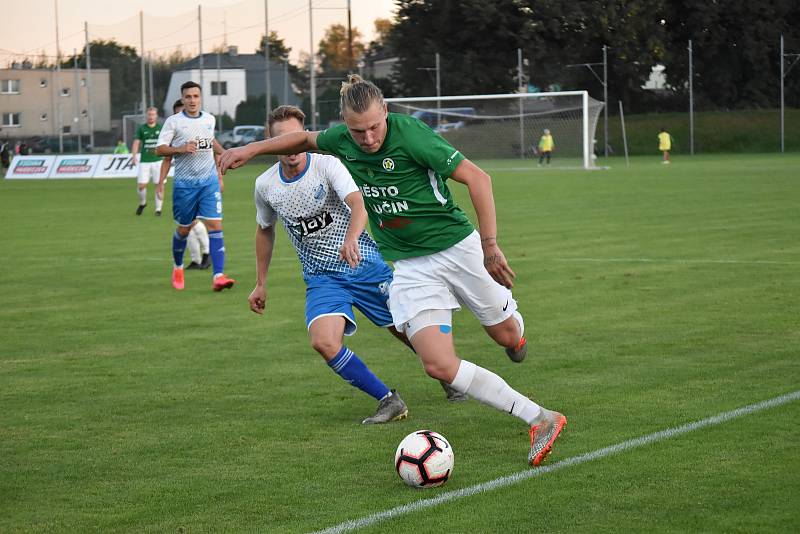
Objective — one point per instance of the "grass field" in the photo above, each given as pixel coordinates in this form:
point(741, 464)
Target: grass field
point(653, 295)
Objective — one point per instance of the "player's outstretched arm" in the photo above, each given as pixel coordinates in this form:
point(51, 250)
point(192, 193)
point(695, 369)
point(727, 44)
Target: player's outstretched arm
point(290, 143)
point(265, 241)
point(358, 221)
point(479, 185)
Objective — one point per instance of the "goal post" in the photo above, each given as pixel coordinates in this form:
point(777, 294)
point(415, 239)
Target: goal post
point(509, 126)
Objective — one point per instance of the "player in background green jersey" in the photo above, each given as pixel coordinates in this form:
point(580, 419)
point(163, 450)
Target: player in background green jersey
point(441, 262)
point(144, 146)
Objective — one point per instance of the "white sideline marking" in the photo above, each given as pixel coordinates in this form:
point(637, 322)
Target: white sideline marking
point(569, 462)
point(664, 260)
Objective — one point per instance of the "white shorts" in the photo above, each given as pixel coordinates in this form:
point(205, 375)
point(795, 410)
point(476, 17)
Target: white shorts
point(447, 280)
point(148, 170)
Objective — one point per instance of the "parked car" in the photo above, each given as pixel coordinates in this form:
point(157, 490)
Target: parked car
point(227, 139)
point(241, 135)
point(49, 145)
point(248, 134)
point(442, 116)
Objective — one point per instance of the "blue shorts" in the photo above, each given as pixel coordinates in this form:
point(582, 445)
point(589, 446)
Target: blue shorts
point(190, 203)
point(335, 296)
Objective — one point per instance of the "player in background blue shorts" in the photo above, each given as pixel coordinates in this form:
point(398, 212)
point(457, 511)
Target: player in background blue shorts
point(188, 136)
point(322, 211)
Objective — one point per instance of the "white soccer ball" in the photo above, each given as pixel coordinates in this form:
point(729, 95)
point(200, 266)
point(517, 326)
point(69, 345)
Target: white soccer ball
point(424, 459)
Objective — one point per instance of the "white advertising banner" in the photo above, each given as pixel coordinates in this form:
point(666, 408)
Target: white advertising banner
point(31, 167)
point(74, 166)
point(117, 166)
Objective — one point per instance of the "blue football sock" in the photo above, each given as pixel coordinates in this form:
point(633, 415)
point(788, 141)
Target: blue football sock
point(216, 249)
point(347, 365)
point(178, 247)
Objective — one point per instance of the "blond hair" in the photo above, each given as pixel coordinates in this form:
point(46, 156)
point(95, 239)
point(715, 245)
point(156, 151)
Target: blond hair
point(357, 94)
point(284, 113)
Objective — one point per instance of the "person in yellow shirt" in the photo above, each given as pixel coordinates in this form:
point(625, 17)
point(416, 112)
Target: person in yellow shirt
point(546, 146)
point(664, 144)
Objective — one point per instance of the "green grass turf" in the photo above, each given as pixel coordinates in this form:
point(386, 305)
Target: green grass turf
point(653, 296)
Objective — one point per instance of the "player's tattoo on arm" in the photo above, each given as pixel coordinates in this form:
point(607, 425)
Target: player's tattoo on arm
point(491, 260)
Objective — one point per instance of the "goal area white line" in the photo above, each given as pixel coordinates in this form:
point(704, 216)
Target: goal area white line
point(569, 462)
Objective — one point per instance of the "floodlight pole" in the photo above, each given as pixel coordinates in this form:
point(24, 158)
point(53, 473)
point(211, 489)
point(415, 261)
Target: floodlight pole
point(58, 85)
point(219, 97)
point(311, 67)
point(521, 119)
point(784, 73)
point(605, 100)
point(77, 118)
point(266, 60)
point(89, 83)
point(200, 42)
point(141, 61)
point(152, 100)
point(438, 90)
point(691, 101)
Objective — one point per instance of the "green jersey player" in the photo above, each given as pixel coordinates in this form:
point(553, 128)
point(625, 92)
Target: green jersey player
point(144, 145)
point(401, 167)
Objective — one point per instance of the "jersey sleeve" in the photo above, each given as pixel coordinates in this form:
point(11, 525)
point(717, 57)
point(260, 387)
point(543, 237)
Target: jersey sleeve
point(167, 133)
point(431, 149)
point(328, 140)
point(265, 215)
point(339, 177)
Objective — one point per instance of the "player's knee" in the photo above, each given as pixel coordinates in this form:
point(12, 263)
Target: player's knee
point(327, 347)
point(438, 370)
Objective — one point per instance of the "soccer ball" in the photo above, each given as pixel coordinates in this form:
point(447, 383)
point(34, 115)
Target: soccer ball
point(424, 459)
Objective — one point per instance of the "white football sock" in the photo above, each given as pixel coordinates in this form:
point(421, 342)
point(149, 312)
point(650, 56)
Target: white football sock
point(193, 244)
point(159, 202)
point(485, 386)
point(142, 196)
point(521, 323)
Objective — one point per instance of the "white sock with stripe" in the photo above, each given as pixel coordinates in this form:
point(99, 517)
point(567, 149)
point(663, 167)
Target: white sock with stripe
point(485, 386)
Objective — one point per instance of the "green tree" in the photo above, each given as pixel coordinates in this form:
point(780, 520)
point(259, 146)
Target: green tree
point(278, 51)
point(122, 61)
point(736, 47)
point(477, 42)
point(334, 52)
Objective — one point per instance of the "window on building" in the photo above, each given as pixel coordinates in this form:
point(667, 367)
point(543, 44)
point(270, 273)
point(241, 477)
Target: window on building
point(11, 120)
point(43, 117)
point(65, 91)
point(43, 82)
point(66, 129)
point(84, 113)
point(83, 82)
point(9, 87)
point(219, 88)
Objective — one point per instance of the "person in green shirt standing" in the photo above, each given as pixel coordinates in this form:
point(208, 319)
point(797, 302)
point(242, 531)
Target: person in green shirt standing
point(121, 147)
point(144, 145)
point(401, 167)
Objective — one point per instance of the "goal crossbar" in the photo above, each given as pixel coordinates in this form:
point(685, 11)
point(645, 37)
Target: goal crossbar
point(434, 105)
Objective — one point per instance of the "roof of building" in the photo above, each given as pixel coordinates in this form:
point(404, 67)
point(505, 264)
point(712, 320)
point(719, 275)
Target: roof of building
point(229, 61)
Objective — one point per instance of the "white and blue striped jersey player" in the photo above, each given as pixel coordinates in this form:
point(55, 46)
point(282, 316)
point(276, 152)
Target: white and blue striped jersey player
point(312, 209)
point(195, 192)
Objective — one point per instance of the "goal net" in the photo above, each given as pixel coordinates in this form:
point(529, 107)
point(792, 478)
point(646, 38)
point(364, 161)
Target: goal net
point(508, 127)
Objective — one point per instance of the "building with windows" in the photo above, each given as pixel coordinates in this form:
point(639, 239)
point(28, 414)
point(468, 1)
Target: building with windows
point(36, 102)
point(238, 77)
